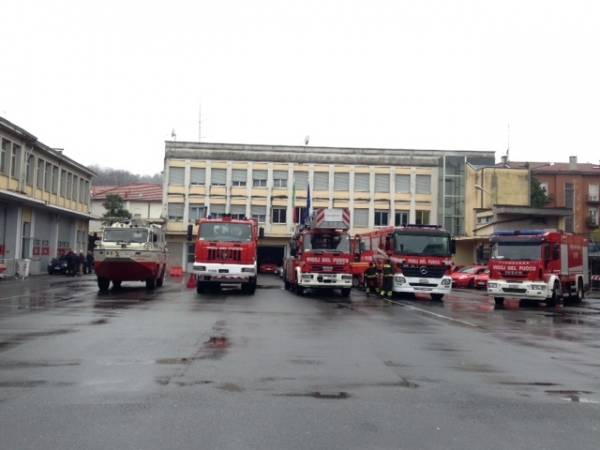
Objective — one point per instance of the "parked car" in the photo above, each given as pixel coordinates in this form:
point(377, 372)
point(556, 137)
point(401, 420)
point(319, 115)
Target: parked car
point(481, 279)
point(465, 277)
point(267, 268)
point(58, 265)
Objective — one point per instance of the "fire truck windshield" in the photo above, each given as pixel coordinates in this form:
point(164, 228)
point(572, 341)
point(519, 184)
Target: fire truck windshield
point(137, 235)
point(422, 244)
point(226, 232)
point(327, 242)
point(523, 251)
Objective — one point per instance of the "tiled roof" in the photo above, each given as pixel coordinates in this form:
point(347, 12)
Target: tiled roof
point(552, 167)
point(148, 192)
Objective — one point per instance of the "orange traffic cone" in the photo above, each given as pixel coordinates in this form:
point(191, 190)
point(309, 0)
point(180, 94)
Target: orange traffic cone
point(191, 281)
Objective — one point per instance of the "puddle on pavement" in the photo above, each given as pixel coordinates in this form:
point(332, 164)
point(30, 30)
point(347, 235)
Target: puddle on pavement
point(310, 362)
point(476, 368)
point(573, 396)
point(36, 364)
point(192, 383)
point(230, 387)
point(528, 383)
point(317, 394)
point(32, 383)
point(18, 339)
point(99, 321)
point(268, 286)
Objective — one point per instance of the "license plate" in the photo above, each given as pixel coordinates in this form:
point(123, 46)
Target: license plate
point(513, 286)
point(422, 280)
point(327, 268)
point(212, 270)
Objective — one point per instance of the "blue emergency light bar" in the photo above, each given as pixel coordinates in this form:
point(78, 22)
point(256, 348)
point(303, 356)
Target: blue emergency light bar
point(520, 233)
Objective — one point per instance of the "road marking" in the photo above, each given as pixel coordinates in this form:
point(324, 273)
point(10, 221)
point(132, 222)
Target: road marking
point(431, 313)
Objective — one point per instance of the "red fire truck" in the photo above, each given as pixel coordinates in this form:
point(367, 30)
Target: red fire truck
point(421, 256)
point(226, 253)
point(320, 253)
point(538, 265)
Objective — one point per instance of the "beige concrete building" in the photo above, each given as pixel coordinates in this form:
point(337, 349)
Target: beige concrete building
point(381, 187)
point(44, 200)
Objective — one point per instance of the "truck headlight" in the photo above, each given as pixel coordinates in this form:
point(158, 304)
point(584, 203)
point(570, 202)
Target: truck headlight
point(248, 269)
point(399, 279)
point(492, 285)
point(446, 282)
point(538, 287)
point(306, 276)
point(347, 277)
point(200, 268)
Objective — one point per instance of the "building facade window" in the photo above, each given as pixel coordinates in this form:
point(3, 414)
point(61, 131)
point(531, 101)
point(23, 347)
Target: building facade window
point(278, 215)
point(4, 153)
point(402, 184)
point(197, 176)
point(321, 181)
point(176, 176)
point(238, 212)
point(175, 211)
point(381, 218)
point(341, 182)
point(361, 182)
point(55, 180)
point(361, 218)
point(280, 179)
point(569, 203)
point(422, 217)
point(197, 212)
point(218, 177)
point(29, 169)
point(14, 161)
point(48, 177)
point(300, 179)
point(63, 183)
point(74, 193)
point(400, 218)
point(259, 213)
point(382, 182)
point(423, 184)
point(239, 177)
point(593, 216)
point(217, 210)
point(300, 212)
point(259, 178)
point(593, 192)
point(69, 192)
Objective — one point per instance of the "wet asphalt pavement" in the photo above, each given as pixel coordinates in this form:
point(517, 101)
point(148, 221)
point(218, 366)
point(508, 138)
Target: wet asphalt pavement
point(173, 370)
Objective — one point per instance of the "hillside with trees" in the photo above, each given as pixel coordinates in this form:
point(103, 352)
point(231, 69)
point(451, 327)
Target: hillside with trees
point(106, 176)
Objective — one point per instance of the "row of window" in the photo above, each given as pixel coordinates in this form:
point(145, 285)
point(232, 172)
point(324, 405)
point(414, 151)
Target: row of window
point(381, 218)
point(72, 187)
point(341, 181)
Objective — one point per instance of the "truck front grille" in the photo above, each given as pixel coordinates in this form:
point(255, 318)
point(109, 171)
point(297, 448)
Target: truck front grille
point(224, 254)
point(514, 290)
point(417, 271)
point(327, 268)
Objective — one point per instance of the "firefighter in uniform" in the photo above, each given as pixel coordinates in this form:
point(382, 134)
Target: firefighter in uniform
point(371, 276)
point(388, 280)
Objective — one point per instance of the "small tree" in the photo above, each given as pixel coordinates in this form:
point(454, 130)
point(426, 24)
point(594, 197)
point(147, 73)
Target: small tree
point(114, 209)
point(539, 197)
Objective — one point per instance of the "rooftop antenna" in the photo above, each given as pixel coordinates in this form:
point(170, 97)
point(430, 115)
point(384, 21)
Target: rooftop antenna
point(173, 135)
point(306, 139)
point(199, 122)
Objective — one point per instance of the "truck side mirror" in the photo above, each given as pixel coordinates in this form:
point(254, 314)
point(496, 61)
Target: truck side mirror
point(190, 232)
point(261, 233)
point(452, 246)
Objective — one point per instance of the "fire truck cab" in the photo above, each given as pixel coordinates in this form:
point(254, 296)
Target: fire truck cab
point(420, 255)
point(538, 265)
point(226, 253)
point(320, 254)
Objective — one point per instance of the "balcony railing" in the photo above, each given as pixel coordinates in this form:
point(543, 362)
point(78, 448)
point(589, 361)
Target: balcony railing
point(593, 199)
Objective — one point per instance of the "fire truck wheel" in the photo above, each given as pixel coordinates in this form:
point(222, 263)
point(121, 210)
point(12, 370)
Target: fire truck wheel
point(299, 289)
point(250, 287)
point(356, 282)
point(103, 284)
point(437, 297)
point(116, 284)
point(579, 293)
point(556, 295)
point(161, 279)
point(150, 283)
point(200, 287)
point(345, 292)
point(499, 301)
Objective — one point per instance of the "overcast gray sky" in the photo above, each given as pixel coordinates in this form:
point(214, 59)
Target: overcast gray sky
point(109, 80)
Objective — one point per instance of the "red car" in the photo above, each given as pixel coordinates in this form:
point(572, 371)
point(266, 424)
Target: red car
point(465, 277)
point(481, 280)
point(267, 268)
